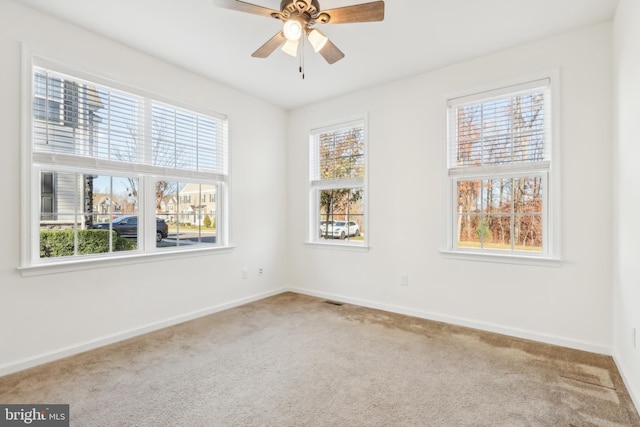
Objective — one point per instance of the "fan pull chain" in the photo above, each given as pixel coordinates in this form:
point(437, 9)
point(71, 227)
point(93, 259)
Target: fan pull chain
point(301, 66)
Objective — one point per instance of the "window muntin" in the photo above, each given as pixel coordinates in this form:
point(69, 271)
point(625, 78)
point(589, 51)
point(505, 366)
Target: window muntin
point(499, 170)
point(103, 157)
point(337, 181)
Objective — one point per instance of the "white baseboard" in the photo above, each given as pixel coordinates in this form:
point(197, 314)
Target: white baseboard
point(489, 327)
point(99, 342)
point(631, 387)
point(110, 339)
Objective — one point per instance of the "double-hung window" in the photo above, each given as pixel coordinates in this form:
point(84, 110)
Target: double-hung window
point(500, 171)
point(113, 172)
point(337, 176)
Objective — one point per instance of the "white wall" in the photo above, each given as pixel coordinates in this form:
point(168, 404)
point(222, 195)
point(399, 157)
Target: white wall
point(570, 304)
point(627, 193)
point(43, 317)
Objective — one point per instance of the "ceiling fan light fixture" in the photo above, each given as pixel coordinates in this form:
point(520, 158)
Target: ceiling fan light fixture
point(317, 40)
point(290, 47)
point(292, 30)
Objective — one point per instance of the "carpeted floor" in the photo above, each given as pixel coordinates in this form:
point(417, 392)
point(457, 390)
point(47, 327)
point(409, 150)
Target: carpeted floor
point(294, 360)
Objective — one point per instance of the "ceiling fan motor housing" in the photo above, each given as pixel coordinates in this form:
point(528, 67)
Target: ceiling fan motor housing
point(307, 10)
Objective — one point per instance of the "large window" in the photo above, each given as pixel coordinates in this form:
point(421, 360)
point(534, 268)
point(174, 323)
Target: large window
point(114, 172)
point(337, 184)
point(500, 171)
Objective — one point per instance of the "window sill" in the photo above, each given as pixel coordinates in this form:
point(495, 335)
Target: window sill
point(503, 258)
point(129, 259)
point(339, 246)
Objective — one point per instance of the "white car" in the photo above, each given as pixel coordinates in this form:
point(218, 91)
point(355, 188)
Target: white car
point(339, 229)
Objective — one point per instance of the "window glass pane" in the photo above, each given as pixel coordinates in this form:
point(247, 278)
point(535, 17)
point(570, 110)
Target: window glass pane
point(46, 87)
point(78, 212)
point(114, 207)
point(112, 125)
point(527, 195)
point(341, 154)
point(80, 118)
point(498, 194)
point(113, 195)
point(46, 110)
point(186, 140)
point(342, 214)
point(496, 233)
point(528, 233)
point(468, 230)
point(125, 227)
point(501, 214)
point(188, 213)
point(470, 198)
point(500, 131)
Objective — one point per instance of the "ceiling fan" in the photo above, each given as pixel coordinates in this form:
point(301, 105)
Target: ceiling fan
point(299, 18)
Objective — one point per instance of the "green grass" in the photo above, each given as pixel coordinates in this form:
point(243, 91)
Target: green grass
point(499, 246)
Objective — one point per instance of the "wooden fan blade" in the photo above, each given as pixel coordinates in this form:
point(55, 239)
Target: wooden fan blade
point(366, 12)
point(271, 45)
point(245, 7)
point(331, 53)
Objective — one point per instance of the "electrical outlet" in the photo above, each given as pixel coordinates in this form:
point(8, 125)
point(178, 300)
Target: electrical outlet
point(260, 271)
point(404, 281)
point(245, 273)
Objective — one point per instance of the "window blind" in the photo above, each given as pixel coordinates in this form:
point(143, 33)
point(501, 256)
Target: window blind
point(338, 154)
point(82, 119)
point(500, 130)
point(187, 140)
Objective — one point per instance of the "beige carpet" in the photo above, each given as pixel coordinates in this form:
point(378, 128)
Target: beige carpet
point(294, 360)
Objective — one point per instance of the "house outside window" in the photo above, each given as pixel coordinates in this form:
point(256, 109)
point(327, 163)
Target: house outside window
point(98, 154)
point(337, 182)
point(188, 214)
point(47, 101)
point(501, 172)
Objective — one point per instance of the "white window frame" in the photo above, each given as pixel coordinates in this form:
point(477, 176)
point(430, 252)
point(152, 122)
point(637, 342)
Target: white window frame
point(315, 186)
point(548, 170)
point(30, 261)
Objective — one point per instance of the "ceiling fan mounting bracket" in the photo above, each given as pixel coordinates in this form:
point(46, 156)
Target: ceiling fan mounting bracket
point(307, 10)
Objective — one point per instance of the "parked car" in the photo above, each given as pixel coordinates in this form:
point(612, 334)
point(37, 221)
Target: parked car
point(339, 229)
point(323, 227)
point(127, 226)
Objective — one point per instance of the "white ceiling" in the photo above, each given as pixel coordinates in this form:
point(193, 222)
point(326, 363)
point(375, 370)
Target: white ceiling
point(415, 36)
